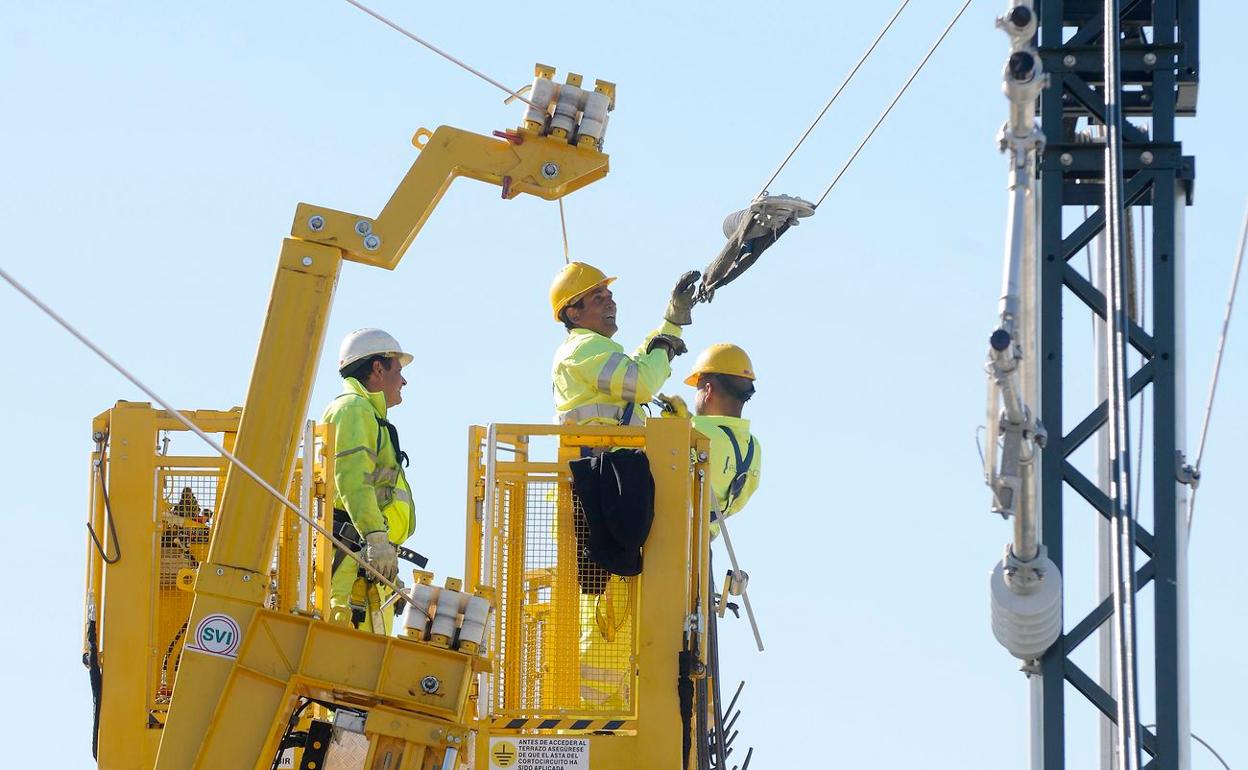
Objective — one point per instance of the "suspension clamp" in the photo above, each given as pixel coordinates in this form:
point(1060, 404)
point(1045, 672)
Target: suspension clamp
point(1184, 472)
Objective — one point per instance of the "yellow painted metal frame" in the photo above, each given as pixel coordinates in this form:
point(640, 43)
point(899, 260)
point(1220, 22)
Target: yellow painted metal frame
point(231, 581)
point(284, 657)
point(674, 587)
point(130, 649)
point(522, 162)
point(136, 598)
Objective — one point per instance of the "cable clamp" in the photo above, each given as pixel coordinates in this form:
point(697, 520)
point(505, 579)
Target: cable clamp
point(1184, 472)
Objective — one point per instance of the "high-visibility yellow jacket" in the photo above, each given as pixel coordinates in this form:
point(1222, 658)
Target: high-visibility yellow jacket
point(724, 463)
point(595, 381)
point(370, 484)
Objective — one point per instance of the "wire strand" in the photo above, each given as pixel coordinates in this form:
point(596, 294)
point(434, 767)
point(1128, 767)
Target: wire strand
point(839, 89)
point(893, 104)
point(563, 225)
point(1217, 363)
point(511, 94)
point(177, 415)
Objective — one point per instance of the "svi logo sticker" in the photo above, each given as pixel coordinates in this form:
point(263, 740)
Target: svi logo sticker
point(216, 635)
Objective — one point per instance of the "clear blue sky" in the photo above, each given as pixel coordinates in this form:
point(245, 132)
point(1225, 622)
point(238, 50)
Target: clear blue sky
point(152, 157)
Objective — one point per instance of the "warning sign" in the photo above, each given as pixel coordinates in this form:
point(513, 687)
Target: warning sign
point(539, 753)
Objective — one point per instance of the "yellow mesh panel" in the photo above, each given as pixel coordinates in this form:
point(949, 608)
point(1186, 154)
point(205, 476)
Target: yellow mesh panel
point(188, 498)
point(564, 632)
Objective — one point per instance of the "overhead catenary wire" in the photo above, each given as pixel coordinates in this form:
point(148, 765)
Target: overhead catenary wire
point(1217, 363)
point(862, 60)
point(177, 415)
point(563, 225)
point(893, 103)
point(512, 94)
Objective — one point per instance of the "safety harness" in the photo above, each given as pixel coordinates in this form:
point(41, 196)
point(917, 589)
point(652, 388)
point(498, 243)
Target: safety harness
point(343, 529)
point(742, 466)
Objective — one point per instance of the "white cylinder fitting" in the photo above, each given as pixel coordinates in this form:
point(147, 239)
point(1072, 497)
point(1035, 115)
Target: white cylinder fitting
point(542, 94)
point(1027, 621)
point(566, 107)
point(417, 619)
point(445, 616)
point(472, 630)
point(594, 115)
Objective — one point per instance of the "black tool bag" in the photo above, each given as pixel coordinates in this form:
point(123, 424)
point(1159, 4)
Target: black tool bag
point(616, 492)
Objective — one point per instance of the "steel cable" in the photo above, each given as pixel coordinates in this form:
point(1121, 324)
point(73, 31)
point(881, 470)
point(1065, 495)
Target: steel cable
point(1117, 319)
point(177, 415)
point(839, 89)
point(896, 99)
point(1217, 364)
point(510, 93)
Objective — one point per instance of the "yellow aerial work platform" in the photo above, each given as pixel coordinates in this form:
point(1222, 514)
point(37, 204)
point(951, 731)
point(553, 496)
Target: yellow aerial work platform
point(207, 634)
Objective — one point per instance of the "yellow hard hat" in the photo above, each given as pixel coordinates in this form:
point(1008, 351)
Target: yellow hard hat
point(574, 280)
point(721, 358)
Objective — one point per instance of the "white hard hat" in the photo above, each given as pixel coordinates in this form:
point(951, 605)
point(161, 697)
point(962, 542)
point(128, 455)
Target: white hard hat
point(363, 343)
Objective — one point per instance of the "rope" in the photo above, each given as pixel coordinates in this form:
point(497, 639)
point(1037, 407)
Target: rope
point(892, 104)
point(563, 224)
point(511, 94)
point(177, 415)
point(1217, 363)
point(839, 89)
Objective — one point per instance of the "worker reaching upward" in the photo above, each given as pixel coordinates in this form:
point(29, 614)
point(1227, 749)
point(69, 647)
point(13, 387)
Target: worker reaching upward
point(724, 377)
point(595, 381)
point(373, 502)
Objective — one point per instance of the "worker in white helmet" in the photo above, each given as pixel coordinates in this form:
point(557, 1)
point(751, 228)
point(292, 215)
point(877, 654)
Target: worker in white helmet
point(724, 378)
point(373, 502)
point(595, 381)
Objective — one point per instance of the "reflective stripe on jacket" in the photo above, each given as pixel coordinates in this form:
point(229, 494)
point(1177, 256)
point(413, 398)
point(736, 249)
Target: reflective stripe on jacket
point(594, 380)
point(723, 461)
point(370, 484)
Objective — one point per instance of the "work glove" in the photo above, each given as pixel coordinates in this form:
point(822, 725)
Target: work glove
point(673, 345)
point(379, 554)
point(680, 307)
point(673, 405)
point(400, 603)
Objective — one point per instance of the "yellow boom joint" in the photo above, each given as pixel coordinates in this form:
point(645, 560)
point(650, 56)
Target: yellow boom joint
point(551, 154)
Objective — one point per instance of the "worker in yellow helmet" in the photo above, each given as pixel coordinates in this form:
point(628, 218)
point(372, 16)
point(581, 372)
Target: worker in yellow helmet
point(724, 377)
point(373, 502)
point(595, 381)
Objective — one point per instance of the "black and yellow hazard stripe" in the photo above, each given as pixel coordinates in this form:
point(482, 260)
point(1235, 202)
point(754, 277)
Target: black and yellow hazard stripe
point(579, 725)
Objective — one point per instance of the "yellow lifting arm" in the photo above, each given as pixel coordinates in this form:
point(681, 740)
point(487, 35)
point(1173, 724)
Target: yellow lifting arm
point(231, 580)
point(520, 161)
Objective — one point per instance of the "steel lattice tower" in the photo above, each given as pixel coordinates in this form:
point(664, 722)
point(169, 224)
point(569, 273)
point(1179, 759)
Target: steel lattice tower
point(1159, 55)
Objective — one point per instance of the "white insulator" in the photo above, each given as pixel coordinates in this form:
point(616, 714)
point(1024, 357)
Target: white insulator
point(417, 620)
point(566, 107)
point(444, 618)
point(1027, 616)
point(594, 115)
point(543, 93)
point(472, 630)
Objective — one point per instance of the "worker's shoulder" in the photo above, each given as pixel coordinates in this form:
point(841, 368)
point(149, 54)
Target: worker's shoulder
point(582, 343)
point(347, 405)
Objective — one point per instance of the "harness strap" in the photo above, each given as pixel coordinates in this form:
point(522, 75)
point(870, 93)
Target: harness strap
point(742, 464)
point(382, 422)
point(345, 531)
